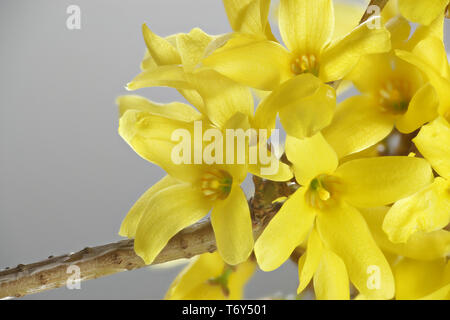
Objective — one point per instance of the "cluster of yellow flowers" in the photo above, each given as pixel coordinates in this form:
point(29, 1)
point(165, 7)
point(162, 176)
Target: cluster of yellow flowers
point(371, 224)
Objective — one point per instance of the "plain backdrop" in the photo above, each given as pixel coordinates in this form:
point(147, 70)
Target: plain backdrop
point(66, 177)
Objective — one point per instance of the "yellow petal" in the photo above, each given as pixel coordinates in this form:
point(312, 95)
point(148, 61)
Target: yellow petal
point(168, 212)
point(285, 232)
point(311, 114)
point(422, 108)
point(425, 58)
point(191, 47)
point(423, 12)
point(421, 245)
point(433, 143)
point(199, 271)
point(427, 210)
point(160, 49)
point(357, 125)
point(306, 26)
point(339, 59)
point(174, 110)
point(347, 17)
point(379, 181)
point(248, 16)
point(309, 261)
point(164, 76)
point(222, 97)
point(310, 157)
point(232, 226)
point(239, 278)
point(371, 72)
point(151, 137)
point(415, 279)
point(131, 221)
point(256, 63)
point(344, 231)
point(274, 171)
point(331, 278)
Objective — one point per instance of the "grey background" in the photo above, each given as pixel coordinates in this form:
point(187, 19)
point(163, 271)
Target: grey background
point(67, 178)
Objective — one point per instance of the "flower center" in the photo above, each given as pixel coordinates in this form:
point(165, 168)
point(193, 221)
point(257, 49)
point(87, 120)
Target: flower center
point(306, 63)
point(395, 96)
point(216, 184)
point(322, 191)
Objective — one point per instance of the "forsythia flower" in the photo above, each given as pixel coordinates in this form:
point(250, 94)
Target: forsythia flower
point(307, 30)
point(429, 209)
point(194, 188)
point(208, 277)
point(327, 202)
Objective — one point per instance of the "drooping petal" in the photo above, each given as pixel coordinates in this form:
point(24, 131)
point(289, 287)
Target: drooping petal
point(310, 157)
point(422, 108)
point(260, 64)
point(357, 125)
point(309, 261)
point(433, 143)
point(232, 226)
point(331, 278)
point(344, 231)
point(420, 246)
point(168, 212)
point(427, 210)
point(222, 97)
point(174, 110)
point(423, 12)
point(131, 221)
point(416, 279)
point(379, 181)
point(306, 26)
point(285, 232)
point(339, 59)
point(162, 51)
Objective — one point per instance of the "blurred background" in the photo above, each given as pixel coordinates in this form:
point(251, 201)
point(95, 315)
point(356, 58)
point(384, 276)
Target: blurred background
point(67, 178)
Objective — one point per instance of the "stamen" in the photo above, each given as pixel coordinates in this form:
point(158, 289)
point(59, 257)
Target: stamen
point(305, 64)
point(395, 96)
point(216, 184)
point(322, 191)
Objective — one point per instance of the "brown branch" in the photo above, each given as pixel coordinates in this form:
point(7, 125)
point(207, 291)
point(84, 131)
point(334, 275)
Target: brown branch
point(95, 262)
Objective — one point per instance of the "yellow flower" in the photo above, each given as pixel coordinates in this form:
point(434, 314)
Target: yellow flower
point(307, 31)
point(394, 93)
point(424, 280)
point(429, 209)
point(328, 198)
point(208, 277)
point(422, 11)
point(195, 187)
